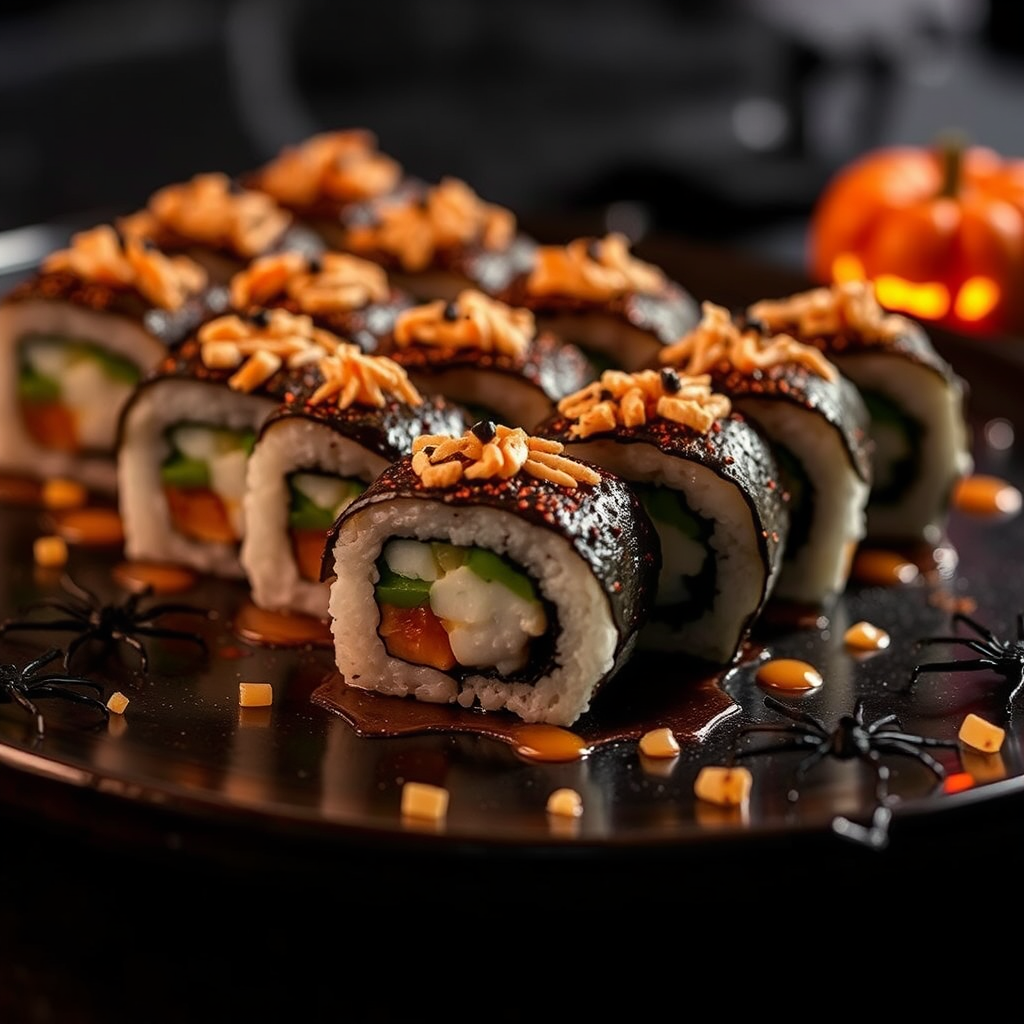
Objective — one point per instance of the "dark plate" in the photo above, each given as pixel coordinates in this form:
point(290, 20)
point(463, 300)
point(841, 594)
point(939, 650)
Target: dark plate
point(186, 768)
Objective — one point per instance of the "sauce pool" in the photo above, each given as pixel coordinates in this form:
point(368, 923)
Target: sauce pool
point(789, 674)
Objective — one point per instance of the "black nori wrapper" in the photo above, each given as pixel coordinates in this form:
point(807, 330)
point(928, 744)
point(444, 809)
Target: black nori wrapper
point(604, 523)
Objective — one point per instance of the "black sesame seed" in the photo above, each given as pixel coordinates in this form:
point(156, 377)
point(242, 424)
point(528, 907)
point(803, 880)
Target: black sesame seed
point(484, 430)
point(670, 381)
point(429, 450)
point(148, 243)
point(316, 265)
point(260, 317)
point(594, 250)
point(606, 395)
point(451, 311)
point(234, 188)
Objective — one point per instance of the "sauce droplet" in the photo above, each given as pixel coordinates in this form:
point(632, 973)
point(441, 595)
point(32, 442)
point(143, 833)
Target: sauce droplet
point(789, 674)
point(281, 629)
point(987, 496)
point(89, 527)
point(865, 636)
point(881, 568)
point(549, 743)
point(160, 578)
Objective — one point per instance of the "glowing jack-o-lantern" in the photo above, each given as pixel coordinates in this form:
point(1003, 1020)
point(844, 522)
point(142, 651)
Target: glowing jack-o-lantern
point(940, 232)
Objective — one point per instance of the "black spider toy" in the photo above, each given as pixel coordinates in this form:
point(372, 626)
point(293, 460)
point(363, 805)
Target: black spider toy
point(850, 739)
point(24, 686)
point(88, 616)
point(1004, 657)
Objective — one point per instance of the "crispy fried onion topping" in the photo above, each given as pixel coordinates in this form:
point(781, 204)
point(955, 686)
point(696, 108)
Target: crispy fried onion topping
point(98, 255)
point(594, 269)
point(208, 210)
point(350, 377)
point(473, 320)
point(450, 215)
point(632, 399)
point(490, 451)
point(717, 342)
point(259, 344)
point(345, 166)
point(332, 283)
point(851, 306)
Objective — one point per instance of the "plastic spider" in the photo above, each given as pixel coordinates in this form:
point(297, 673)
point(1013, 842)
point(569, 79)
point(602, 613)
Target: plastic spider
point(851, 738)
point(24, 686)
point(88, 616)
point(1004, 657)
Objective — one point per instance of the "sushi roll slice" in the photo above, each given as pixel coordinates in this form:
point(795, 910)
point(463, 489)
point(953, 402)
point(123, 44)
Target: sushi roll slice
point(492, 571)
point(915, 401)
point(344, 294)
point(315, 455)
point(709, 480)
point(217, 223)
point(186, 434)
point(437, 240)
point(596, 294)
point(817, 424)
point(489, 357)
point(75, 339)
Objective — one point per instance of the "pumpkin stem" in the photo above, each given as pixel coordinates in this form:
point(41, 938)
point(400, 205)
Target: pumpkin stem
point(951, 153)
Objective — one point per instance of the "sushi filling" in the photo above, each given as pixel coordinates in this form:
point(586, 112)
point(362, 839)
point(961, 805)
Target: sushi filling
point(70, 392)
point(897, 439)
point(203, 480)
point(315, 501)
point(455, 607)
point(686, 585)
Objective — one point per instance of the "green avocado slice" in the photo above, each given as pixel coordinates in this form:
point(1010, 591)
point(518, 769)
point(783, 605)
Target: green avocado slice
point(493, 568)
point(181, 471)
point(400, 591)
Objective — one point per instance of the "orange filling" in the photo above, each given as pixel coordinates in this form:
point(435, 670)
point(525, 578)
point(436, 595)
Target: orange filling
point(199, 513)
point(308, 549)
point(51, 425)
point(416, 635)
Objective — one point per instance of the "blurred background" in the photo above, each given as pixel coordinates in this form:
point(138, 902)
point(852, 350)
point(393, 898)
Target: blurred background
point(715, 119)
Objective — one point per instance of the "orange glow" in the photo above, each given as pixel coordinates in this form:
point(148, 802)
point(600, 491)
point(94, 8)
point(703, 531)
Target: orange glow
point(930, 300)
point(977, 298)
point(847, 267)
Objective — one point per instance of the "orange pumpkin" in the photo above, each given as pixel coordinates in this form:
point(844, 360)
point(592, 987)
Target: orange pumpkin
point(940, 232)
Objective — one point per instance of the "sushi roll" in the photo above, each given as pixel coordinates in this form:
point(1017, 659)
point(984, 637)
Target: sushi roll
point(316, 454)
point(437, 240)
point(489, 357)
point(920, 444)
point(343, 294)
point(491, 571)
point(596, 294)
point(187, 431)
point(75, 339)
point(817, 424)
point(218, 223)
point(320, 178)
point(709, 479)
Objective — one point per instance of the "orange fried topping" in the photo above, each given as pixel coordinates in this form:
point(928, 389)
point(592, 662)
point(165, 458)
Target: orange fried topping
point(332, 283)
point(847, 306)
point(451, 215)
point(594, 269)
point(487, 451)
point(352, 377)
point(258, 345)
point(717, 342)
point(98, 255)
point(345, 166)
point(209, 211)
point(473, 320)
point(632, 399)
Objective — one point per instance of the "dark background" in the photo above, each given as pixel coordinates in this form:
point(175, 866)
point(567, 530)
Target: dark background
point(715, 119)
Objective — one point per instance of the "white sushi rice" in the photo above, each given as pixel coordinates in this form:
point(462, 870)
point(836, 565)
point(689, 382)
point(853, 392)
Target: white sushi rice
point(289, 445)
point(742, 581)
point(819, 570)
point(586, 636)
point(148, 530)
point(944, 456)
point(95, 401)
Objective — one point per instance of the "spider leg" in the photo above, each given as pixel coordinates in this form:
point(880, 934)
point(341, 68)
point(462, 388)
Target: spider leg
point(797, 716)
point(34, 666)
point(55, 624)
point(872, 759)
point(132, 641)
point(922, 741)
point(902, 747)
point(75, 698)
point(22, 701)
point(885, 720)
point(811, 760)
point(57, 680)
point(970, 665)
point(73, 647)
point(1013, 693)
